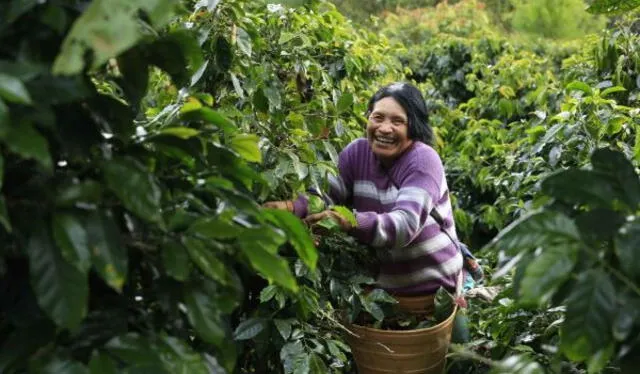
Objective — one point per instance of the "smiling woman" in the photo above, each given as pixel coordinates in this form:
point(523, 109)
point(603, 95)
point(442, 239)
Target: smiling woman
point(393, 179)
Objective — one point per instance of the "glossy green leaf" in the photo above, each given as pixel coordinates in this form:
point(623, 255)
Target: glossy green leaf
point(109, 255)
point(597, 362)
point(517, 365)
point(107, 28)
point(180, 132)
point(176, 260)
point(72, 239)
point(345, 213)
point(536, 229)
point(206, 259)
point(581, 187)
point(612, 6)
point(316, 365)
point(591, 308)
point(548, 271)
point(271, 266)
point(4, 215)
point(612, 90)
point(61, 289)
point(621, 175)
point(250, 328)
point(292, 354)
point(135, 187)
point(26, 141)
point(345, 102)
point(102, 363)
point(178, 357)
point(136, 352)
point(579, 86)
point(215, 228)
point(203, 314)
point(87, 191)
point(284, 327)
point(64, 366)
point(246, 145)
point(627, 243)
point(297, 235)
point(13, 90)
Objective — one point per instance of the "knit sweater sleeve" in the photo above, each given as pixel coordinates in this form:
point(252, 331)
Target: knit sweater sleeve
point(418, 190)
point(340, 185)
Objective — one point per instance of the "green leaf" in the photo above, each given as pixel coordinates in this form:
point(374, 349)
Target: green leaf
point(178, 357)
point(109, 255)
point(26, 141)
point(72, 238)
point(627, 243)
point(612, 90)
point(175, 258)
point(180, 132)
point(107, 28)
point(590, 309)
point(204, 315)
point(5, 119)
point(205, 258)
point(101, 363)
point(87, 191)
point(246, 145)
point(576, 186)
point(579, 86)
point(517, 365)
point(270, 266)
point(61, 289)
point(345, 213)
point(612, 6)
point(316, 365)
point(546, 273)
point(135, 187)
point(4, 215)
point(61, 366)
point(284, 327)
point(621, 174)
point(13, 90)
point(297, 235)
point(291, 355)
point(345, 102)
point(537, 229)
point(178, 53)
point(250, 328)
point(599, 224)
point(215, 228)
point(137, 352)
point(600, 359)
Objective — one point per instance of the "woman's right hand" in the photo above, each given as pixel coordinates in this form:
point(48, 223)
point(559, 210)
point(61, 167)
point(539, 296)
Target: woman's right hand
point(282, 205)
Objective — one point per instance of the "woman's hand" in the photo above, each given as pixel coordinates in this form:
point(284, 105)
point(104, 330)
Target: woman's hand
point(282, 205)
point(343, 223)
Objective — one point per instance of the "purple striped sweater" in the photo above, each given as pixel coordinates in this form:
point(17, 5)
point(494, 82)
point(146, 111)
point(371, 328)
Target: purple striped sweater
point(392, 209)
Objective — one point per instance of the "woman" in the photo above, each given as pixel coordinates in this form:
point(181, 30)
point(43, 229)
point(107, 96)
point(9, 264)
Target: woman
point(392, 179)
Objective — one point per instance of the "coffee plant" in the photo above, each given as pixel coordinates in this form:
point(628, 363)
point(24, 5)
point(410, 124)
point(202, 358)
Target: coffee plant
point(138, 140)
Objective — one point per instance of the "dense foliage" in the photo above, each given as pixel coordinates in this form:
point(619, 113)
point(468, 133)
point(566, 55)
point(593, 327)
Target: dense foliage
point(138, 139)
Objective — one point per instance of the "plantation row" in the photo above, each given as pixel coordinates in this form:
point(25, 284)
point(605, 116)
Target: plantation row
point(138, 143)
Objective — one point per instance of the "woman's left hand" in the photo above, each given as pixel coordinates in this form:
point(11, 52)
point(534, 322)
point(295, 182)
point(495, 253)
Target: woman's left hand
point(344, 224)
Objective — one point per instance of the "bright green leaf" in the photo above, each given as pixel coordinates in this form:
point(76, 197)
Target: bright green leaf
point(107, 28)
point(297, 235)
point(61, 289)
point(72, 239)
point(345, 213)
point(180, 132)
point(579, 86)
point(271, 266)
point(345, 102)
point(13, 90)
point(612, 90)
point(135, 187)
point(246, 145)
point(612, 6)
point(215, 228)
point(316, 365)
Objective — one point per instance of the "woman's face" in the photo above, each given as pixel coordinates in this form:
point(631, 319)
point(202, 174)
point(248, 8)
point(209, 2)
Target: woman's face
point(388, 129)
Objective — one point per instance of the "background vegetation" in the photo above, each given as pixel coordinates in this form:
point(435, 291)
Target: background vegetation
point(138, 140)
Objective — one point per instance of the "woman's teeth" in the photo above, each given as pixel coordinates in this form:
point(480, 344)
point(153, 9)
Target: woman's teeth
point(384, 140)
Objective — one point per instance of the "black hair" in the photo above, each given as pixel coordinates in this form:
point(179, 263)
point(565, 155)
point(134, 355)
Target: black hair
point(411, 99)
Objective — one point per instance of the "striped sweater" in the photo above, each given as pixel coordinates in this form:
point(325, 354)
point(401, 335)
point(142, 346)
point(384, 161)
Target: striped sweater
point(392, 210)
